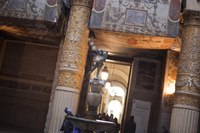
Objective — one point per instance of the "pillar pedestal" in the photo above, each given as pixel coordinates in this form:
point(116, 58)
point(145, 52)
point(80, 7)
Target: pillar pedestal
point(72, 61)
point(185, 112)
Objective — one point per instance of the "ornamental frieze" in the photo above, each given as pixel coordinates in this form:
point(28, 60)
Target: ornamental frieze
point(87, 3)
point(76, 38)
point(73, 60)
point(190, 58)
point(191, 17)
point(187, 100)
point(26, 87)
point(70, 79)
point(79, 17)
point(187, 81)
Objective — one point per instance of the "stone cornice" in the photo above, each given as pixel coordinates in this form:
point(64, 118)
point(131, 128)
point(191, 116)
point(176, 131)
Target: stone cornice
point(86, 3)
point(191, 18)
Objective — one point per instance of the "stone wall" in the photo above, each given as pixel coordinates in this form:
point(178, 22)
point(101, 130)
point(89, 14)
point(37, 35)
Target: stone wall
point(26, 75)
point(149, 17)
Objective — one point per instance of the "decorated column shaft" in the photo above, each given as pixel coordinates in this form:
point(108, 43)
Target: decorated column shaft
point(71, 65)
point(185, 112)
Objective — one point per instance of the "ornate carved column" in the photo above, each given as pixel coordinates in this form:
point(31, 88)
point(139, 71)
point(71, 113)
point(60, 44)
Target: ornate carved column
point(185, 112)
point(72, 64)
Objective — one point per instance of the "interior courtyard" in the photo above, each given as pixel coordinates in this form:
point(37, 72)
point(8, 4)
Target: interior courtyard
point(152, 60)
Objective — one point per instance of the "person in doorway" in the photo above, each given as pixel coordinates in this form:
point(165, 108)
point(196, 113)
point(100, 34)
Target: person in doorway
point(130, 126)
point(117, 125)
point(165, 129)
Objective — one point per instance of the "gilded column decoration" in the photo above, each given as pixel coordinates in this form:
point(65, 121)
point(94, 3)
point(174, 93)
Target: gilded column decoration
point(72, 61)
point(188, 79)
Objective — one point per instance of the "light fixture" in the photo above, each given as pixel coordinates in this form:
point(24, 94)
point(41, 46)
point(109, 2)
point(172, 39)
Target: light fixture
point(108, 85)
point(104, 73)
point(169, 93)
point(170, 89)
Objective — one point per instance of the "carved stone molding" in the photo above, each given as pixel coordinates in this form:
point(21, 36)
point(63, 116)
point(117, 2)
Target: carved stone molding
point(75, 46)
point(25, 87)
point(73, 60)
point(70, 79)
point(87, 3)
point(188, 82)
point(169, 100)
point(185, 99)
point(191, 17)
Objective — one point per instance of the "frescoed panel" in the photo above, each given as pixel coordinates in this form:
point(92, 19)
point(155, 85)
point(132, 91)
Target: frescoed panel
point(135, 17)
point(174, 10)
point(145, 1)
point(173, 17)
point(99, 5)
point(47, 10)
point(17, 5)
point(96, 19)
point(149, 17)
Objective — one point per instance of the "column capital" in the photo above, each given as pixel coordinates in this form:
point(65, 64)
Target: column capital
point(86, 3)
point(191, 17)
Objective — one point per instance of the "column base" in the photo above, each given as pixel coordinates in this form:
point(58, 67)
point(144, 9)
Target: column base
point(184, 119)
point(63, 98)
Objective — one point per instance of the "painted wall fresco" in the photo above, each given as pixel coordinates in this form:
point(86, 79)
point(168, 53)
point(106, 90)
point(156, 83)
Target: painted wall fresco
point(193, 5)
point(30, 9)
point(151, 17)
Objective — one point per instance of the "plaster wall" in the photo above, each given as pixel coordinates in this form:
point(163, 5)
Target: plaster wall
point(149, 17)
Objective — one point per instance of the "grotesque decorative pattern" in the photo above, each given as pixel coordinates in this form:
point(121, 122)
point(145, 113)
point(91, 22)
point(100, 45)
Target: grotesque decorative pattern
point(188, 79)
point(29, 9)
point(75, 48)
point(73, 60)
point(75, 45)
point(48, 10)
point(70, 79)
point(152, 17)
